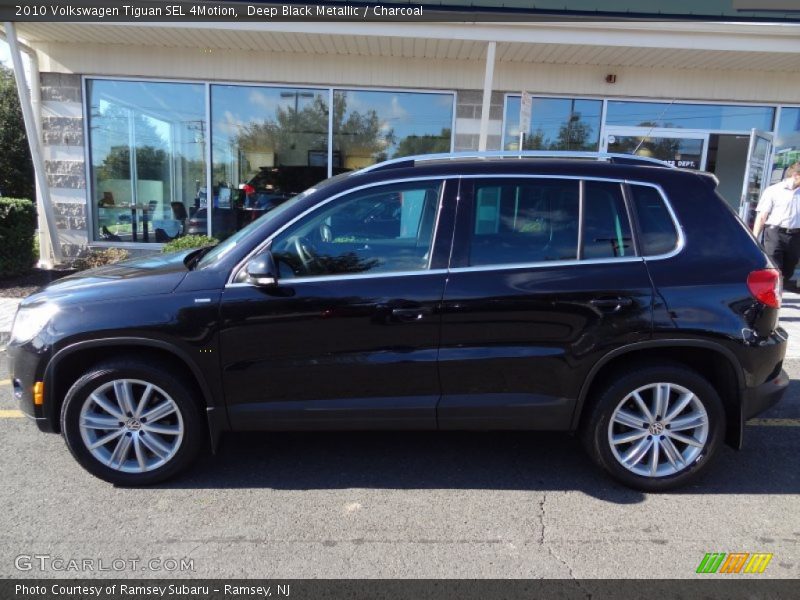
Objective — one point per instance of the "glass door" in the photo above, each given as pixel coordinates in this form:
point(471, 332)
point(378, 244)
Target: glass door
point(683, 148)
point(758, 155)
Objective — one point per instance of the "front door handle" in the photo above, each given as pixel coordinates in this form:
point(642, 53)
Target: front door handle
point(409, 315)
point(611, 304)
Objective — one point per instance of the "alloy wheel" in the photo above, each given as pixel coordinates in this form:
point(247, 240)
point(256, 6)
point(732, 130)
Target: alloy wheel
point(131, 425)
point(658, 430)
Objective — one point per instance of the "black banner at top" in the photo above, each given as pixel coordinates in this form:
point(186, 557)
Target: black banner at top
point(95, 11)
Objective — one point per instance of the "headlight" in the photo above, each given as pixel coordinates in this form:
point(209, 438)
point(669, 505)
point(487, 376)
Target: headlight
point(30, 320)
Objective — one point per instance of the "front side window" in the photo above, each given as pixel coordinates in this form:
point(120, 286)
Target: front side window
point(146, 145)
point(376, 230)
point(524, 220)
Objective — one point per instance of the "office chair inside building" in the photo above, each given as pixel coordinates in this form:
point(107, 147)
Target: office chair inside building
point(179, 214)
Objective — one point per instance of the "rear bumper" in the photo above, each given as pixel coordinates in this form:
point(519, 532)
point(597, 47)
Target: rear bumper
point(758, 399)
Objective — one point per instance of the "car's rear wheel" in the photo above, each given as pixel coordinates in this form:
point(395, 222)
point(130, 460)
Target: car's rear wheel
point(656, 428)
point(131, 423)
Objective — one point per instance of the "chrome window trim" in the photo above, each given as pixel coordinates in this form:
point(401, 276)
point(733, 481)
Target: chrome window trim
point(350, 277)
point(547, 263)
point(260, 247)
point(681, 242)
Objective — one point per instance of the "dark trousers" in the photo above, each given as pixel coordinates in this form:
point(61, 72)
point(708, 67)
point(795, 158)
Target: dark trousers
point(784, 250)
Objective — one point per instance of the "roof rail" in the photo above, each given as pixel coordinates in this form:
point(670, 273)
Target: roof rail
point(610, 157)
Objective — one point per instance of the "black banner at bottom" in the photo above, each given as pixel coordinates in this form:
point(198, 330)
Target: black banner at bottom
point(722, 587)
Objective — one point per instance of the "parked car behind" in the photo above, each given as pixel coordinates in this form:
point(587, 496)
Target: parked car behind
point(616, 298)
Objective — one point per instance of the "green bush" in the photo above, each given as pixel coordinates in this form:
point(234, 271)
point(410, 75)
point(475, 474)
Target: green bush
point(189, 241)
point(100, 258)
point(17, 227)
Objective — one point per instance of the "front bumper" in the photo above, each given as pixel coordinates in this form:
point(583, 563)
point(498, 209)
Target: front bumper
point(27, 367)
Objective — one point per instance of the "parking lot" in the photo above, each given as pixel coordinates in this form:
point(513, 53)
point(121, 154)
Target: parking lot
point(395, 505)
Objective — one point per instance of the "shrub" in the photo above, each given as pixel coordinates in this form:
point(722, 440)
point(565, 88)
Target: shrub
point(17, 228)
point(189, 241)
point(99, 258)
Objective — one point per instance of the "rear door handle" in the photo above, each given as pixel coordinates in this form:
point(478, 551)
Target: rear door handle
point(409, 315)
point(611, 304)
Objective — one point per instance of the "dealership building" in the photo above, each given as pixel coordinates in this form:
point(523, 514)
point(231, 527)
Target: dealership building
point(152, 130)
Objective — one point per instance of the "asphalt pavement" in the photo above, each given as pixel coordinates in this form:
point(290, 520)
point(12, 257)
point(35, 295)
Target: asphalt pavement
point(386, 505)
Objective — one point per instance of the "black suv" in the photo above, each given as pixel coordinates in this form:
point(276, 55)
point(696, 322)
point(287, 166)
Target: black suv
point(610, 296)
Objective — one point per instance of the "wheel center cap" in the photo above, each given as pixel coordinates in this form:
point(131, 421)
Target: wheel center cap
point(656, 428)
point(133, 425)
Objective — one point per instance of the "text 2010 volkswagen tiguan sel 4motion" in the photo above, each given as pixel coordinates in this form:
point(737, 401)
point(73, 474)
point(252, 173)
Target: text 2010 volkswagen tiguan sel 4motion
point(613, 297)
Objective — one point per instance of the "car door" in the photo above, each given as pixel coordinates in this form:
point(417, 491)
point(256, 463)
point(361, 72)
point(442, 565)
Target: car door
point(545, 279)
point(348, 338)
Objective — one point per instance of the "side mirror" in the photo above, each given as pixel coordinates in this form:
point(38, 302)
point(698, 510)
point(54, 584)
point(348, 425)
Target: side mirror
point(262, 270)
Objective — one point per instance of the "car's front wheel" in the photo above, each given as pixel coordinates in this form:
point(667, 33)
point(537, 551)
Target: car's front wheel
point(656, 428)
point(131, 423)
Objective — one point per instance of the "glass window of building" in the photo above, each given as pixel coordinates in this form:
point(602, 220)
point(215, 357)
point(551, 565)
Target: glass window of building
point(556, 124)
point(787, 142)
point(371, 126)
point(147, 149)
point(711, 117)
point(268, 145)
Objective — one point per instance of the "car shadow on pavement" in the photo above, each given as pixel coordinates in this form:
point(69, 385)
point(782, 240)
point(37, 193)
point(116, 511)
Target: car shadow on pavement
point(470, 460)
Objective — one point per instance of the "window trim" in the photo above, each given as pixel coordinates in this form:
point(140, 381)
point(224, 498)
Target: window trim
point(268, 241)
point(591, 261)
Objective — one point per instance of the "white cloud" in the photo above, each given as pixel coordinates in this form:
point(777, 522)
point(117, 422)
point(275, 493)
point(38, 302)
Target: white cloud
point(268, 102)
point(230, 125)
point(397, 111)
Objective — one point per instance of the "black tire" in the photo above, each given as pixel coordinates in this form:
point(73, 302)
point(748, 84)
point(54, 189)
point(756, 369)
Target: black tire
point(173, 385)
point(595, 431)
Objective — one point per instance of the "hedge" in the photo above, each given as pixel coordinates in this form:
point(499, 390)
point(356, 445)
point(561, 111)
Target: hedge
point(189, 241)
point(17, 229)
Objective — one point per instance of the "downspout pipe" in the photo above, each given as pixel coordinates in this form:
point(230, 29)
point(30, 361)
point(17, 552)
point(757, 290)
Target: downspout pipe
point(32, 114)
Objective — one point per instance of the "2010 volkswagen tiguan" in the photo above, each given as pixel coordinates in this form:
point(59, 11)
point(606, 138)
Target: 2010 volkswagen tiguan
point(610, 296)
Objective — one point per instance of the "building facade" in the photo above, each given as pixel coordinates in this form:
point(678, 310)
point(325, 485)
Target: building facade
point(152, 131)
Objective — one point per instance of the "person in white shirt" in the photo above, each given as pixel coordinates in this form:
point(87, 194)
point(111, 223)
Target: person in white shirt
point(779, 217)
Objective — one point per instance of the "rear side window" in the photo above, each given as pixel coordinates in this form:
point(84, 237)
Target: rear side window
point(657, 229)
point(606, 229)
point(524, 220)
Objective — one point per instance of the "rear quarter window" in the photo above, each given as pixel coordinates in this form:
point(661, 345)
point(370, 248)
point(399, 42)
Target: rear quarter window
point(657, 229)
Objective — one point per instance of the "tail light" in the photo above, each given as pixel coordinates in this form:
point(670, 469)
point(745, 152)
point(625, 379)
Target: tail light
point(765, 286)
